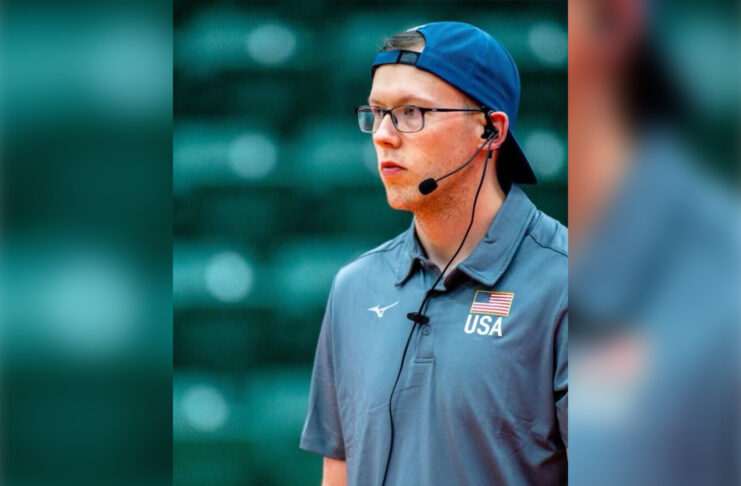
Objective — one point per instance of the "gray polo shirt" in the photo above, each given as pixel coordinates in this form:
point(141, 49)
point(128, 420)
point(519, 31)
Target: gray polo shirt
point(483, 395)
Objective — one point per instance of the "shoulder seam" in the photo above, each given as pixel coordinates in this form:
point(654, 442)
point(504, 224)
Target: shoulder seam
point(383, 248)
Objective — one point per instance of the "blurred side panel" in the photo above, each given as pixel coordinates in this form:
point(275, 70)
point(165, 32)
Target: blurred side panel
point(85, 248)
point(655, 269)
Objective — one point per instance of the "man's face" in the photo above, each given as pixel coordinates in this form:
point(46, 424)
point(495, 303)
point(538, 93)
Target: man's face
point(446, 141)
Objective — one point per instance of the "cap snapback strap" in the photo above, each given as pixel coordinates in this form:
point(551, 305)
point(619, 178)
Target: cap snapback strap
point(400, 56)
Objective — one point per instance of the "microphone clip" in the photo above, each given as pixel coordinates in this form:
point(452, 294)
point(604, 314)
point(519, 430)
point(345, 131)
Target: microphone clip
point(418, 318)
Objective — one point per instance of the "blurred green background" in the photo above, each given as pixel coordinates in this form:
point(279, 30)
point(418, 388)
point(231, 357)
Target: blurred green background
point(85, 243)
point(275, 189)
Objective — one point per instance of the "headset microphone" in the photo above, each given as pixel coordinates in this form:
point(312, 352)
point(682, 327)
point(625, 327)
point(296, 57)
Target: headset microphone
point(429, 185)
point(418, 318)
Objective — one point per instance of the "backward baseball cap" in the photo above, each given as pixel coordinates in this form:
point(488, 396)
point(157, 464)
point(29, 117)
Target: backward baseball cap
point(479, 66)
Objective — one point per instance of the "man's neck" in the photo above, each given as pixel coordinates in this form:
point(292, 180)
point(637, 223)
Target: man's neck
point(440, 231)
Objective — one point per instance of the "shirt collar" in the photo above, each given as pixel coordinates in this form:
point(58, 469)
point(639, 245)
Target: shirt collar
point(411, 252)
point(495, 251)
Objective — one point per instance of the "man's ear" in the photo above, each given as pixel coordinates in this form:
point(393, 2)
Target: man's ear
point(496, 122)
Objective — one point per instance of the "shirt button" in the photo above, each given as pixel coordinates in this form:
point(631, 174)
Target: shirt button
point(426, 329)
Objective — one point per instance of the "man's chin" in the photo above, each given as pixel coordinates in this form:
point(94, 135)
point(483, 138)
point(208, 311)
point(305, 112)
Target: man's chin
point(403, 200)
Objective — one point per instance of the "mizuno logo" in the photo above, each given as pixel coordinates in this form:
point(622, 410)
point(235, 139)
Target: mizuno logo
point(380, 310)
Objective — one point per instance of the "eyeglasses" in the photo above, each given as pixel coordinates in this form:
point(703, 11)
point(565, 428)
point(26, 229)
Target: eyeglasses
point(406, 118)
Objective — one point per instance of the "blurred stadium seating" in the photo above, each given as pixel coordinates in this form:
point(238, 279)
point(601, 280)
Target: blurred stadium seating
point(275, 189)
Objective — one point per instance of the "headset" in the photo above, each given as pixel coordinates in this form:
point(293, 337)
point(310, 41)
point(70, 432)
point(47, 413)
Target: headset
point(489, 128)
point(490, 133)
point(426, 187)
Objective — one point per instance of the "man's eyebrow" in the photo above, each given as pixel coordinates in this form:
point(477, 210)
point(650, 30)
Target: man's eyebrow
point(406, 99)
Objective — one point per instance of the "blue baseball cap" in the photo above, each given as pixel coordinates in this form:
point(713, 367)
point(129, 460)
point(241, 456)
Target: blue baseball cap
point(478, 65)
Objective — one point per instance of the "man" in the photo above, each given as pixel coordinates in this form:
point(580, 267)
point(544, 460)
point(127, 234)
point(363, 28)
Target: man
point(478, 364)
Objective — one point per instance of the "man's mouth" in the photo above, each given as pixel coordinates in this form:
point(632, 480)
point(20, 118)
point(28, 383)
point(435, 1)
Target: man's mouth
point(389, 168)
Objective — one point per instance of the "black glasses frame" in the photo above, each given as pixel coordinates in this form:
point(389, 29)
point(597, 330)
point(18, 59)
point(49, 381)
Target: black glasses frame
point(422, 109)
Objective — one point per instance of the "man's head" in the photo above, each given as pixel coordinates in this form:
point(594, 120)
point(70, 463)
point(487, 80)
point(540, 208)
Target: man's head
point(443, 65)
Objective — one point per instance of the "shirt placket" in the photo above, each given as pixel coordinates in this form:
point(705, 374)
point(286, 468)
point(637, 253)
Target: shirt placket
point(423, 335)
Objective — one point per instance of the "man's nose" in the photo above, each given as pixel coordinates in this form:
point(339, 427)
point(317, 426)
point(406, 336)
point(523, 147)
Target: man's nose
point(387, 134)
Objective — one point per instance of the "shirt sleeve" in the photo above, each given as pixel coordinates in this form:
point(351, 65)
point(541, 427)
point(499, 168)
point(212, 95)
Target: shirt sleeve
point(561, 375)
point(322, 433)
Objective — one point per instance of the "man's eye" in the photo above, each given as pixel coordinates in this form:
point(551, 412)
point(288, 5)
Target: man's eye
point(409, 111)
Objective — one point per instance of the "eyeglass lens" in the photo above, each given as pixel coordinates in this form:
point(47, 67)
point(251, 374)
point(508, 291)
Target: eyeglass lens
point(404, 118)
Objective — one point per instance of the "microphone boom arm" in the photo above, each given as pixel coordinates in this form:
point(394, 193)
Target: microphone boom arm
point(430, 184)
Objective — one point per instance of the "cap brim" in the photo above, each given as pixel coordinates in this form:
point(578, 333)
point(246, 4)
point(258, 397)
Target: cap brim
point(512, 165)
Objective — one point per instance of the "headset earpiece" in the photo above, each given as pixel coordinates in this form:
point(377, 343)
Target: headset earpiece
point(489, 128)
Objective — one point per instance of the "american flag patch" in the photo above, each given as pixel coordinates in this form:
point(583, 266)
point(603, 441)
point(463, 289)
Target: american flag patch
point(497, 303)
